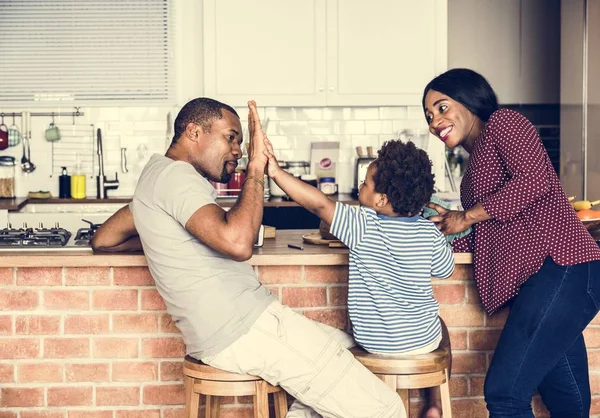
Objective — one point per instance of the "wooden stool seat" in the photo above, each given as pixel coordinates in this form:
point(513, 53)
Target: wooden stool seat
point(418, 371)
point(202, 379)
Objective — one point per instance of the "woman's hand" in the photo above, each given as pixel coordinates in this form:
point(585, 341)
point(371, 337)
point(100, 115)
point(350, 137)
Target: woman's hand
point(450, 221)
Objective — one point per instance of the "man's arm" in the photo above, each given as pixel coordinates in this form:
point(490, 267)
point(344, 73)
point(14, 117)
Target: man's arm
point(233, 233)
point(117, 234)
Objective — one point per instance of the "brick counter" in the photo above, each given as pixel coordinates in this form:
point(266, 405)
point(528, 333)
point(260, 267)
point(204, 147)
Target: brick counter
point(96, 342)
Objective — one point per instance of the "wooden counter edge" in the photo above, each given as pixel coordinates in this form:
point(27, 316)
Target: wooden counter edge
point(49, 259)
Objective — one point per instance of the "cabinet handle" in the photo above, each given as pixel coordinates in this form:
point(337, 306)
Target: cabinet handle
point(331, 88)
point(321, 88)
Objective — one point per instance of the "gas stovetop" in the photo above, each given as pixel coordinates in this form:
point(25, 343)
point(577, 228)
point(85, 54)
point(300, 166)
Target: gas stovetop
point(42, 238)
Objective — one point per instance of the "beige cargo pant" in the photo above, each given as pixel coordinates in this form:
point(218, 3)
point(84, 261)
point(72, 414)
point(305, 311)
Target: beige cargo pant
point(312, 363)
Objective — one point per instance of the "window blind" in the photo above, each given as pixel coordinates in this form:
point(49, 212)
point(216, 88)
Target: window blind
point(86, 52)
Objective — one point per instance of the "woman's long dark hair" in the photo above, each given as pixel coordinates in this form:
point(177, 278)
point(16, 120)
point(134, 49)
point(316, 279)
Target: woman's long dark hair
point(468, 88)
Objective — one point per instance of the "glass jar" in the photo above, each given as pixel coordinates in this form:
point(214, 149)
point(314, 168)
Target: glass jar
point(298, 168)
point(327, 185)
point(7, 177)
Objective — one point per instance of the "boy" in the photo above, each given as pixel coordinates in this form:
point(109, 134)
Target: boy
point(394, 251)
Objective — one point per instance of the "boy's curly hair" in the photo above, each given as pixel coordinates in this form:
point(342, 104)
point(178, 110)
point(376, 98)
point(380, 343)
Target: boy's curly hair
point(404, 175)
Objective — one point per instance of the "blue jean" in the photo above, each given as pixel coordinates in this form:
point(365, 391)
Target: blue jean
point(542, 346)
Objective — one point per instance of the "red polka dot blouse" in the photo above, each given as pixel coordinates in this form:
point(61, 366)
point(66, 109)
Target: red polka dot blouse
point(510, 173)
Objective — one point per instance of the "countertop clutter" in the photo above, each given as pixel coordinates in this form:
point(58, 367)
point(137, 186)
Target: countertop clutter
point(274, 252)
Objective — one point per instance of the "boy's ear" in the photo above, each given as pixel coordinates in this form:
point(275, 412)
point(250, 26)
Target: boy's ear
point(382, 201)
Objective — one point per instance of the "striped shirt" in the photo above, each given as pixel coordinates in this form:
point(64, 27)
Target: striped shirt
point(392, 260)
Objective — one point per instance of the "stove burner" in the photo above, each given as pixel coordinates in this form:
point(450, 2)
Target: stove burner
point(84, 236)
point(34, 237)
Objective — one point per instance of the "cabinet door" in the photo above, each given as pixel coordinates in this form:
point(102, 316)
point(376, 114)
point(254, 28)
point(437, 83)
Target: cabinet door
point(384, 52)
point(269, 50)
point(484, 35)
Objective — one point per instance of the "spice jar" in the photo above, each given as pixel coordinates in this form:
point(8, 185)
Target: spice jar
point(327, 185)
point(7, 177)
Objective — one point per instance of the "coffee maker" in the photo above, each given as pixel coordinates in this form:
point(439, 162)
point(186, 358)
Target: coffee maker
point(360, 169)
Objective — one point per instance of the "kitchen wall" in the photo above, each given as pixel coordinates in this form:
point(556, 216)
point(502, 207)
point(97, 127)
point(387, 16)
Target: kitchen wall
point(290, 129)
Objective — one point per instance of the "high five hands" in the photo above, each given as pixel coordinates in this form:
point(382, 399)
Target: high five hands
point(259, 143)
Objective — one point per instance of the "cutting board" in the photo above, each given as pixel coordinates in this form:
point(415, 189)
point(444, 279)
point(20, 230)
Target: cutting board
point(316, 238)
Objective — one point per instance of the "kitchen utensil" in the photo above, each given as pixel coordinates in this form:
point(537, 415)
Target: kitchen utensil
point(316, 238)
point(14, 135)
point(124, 160)
point(52, 133)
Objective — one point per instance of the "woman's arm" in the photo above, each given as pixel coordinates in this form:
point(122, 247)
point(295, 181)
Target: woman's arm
point(117, 234)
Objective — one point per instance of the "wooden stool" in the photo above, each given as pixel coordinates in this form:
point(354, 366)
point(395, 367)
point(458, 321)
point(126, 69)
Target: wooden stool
point(402, 373)
point(202, 379)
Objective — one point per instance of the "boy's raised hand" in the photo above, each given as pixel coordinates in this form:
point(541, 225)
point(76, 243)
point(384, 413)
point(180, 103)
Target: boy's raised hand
point(273, 166)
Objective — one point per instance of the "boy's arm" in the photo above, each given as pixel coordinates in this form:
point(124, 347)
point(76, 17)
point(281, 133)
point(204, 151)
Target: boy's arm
point(304, 194)
point(117, 234)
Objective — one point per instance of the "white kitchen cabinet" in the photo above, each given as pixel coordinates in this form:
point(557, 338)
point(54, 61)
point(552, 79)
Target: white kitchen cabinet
point(323, 52)
point(515, 44)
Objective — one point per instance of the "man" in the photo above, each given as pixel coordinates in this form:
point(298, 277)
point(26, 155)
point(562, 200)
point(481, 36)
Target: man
point(196, 253)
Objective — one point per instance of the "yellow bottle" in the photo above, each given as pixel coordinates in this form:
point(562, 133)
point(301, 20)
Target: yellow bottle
point(78, 182)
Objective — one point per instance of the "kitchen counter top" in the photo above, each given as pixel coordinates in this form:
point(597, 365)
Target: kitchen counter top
point(18, 203)
point(274, 252)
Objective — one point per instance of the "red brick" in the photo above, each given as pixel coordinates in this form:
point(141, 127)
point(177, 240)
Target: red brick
point(8, 414)
point(476, 385)
point(86, 324)
point(115, 300)
point(163, 347)
point(90, 414)
point(328, 274)
point(179, 413)
point(338, 296)
point(146, 413)
point(152, 300)
point(592, 337)
point(462, 272)
point(39, 276)
point(6, 327)
point(595, 383)
point(498, 319)
point(483, 339)
point(115, 348)
point(458, 339)
point(7, 373)
point(42, 414)
point(468, 408)
point(132, 276)
point(468, 363)
point(459, 386)
point(18, 300)
point(473, 297)
point(39, 372)
point(69, 396)
point(297, 297)
point(461, 316)
point(134, 371)
point(275, 291)
point(171, 370)
point(594, 360)
point(122, 396)
point(237, 412)
point(135, 323)
point(163, 394)
point(66, 347)
point(449, 293)
point(19, 348)
point(66, 300)
point(167, 325)
point(87, 276)
point(21, 397)
point(37, 324)
point(6, 276)
point(337, 318)
point(279, 274)
point(87, 372)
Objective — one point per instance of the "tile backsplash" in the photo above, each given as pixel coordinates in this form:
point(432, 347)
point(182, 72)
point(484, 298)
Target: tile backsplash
point(142, 131)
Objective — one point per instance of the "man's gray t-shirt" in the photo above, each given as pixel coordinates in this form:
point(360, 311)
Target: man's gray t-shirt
point(213, 300)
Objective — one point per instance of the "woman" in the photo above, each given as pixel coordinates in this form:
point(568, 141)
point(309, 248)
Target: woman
point(529, 249)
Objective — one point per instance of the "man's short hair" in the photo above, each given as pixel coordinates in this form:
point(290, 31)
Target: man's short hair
point(201, 111)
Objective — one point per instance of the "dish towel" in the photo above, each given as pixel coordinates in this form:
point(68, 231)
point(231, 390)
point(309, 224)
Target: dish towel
point(428, 212)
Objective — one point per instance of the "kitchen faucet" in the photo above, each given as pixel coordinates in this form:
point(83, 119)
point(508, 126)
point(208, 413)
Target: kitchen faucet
point(102, 183)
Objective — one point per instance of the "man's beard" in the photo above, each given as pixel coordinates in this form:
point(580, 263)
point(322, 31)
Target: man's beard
point(225, 176)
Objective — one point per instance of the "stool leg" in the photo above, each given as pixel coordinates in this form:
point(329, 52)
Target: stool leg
point(445, 392)
point(281, 405)
point(392, 383)
point(261, 400)
point(405, 400)
point(212, 406)
point(192, 399)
